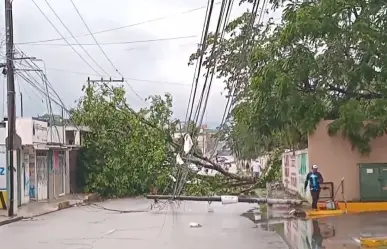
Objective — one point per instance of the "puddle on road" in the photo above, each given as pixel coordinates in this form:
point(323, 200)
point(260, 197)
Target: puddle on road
point(309, 234)
point(301, 233)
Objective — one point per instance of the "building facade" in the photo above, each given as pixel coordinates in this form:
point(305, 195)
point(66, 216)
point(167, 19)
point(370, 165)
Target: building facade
point(41, 164)
point(364, 177)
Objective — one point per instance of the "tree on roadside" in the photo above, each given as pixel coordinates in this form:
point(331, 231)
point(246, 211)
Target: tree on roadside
point(323, 60)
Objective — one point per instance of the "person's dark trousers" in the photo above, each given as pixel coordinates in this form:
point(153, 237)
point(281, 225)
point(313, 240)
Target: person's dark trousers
point(315, 196)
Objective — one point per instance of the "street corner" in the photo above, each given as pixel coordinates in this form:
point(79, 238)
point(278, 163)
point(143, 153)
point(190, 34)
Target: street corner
point(91, 198)
point(373, 242)
point(7, 220)
point(63, 205)
point(314, 214)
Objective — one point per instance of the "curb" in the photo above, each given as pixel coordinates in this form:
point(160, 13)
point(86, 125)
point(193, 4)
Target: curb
point(11, 220)
point(88, 200)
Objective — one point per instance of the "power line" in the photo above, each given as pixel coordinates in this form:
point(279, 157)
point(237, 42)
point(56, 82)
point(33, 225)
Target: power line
point(68, 30)
point(232, 96)
point(224, 15)
point(203, 43)
point(35, 68)
point(127, 78)
point(56, 29)
point(87, 27)
point(103, 51)
point(121, 27)
point(111, 43)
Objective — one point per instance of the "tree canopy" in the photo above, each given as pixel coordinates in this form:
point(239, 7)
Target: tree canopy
point(128, 152)
point(124, 156)
point(322, 60)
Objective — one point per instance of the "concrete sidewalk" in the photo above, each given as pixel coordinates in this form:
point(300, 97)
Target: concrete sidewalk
point(34, 209)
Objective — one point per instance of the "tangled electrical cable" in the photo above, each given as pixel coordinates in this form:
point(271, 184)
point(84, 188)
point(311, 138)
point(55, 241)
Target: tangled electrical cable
point(224, 15)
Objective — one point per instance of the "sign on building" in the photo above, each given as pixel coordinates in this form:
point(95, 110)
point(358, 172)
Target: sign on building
point(3, 168)
point(39, 132)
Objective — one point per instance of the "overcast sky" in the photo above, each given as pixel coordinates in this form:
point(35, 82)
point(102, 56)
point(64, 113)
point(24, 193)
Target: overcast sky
point(160, 67)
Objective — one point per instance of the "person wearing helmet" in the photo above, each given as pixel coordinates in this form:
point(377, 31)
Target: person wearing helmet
point(314, 179)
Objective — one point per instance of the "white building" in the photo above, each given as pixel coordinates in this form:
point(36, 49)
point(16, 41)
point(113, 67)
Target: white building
point(205, 140)
point(41, 165)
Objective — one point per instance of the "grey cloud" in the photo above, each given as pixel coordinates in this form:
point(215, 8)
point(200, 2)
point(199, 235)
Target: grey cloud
point(159, 61)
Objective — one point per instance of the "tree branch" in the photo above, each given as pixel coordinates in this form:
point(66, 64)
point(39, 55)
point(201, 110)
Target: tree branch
point(366, 96)
point(214, 166)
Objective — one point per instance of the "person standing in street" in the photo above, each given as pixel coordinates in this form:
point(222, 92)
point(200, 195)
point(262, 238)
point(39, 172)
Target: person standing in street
point(314, 179)
point(256, 167)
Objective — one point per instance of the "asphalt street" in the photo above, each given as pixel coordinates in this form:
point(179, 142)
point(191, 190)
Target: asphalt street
point(168, 226)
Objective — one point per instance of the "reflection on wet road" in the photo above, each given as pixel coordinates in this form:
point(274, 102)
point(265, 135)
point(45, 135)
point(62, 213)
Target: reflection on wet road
point(228, 227)
point(96, 228)
point(331, 232)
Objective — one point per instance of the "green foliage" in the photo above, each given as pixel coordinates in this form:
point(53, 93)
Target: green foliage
point(221, 185)
point(82, 171)
point(274, 167)
point(323, 60)
point(124, 156)
point(215, 185)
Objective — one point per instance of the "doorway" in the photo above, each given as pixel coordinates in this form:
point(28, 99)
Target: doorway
point(42, 175)
point(373, 182)
point(32, 176)
point(59, 165)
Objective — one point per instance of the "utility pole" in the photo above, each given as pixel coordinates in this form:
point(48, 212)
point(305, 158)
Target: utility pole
point(21, 105)
point(102, 80)
point(226, 199)
point(11, 101)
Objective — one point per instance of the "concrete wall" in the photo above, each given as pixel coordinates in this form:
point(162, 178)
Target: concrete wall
point(295, 167)
point(23, 129)
point(34, 132)
point(336, 159)
point(38, 133)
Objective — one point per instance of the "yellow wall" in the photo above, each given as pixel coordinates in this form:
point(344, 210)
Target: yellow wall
point(5, 199)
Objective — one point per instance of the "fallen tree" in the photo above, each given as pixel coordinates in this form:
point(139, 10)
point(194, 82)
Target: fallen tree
point(129, 152)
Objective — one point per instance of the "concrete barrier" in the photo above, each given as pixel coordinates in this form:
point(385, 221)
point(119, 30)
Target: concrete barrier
point(91, 198)
point(63, 205)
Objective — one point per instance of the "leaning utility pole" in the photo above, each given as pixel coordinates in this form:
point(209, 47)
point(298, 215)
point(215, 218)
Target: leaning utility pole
point(226, 199)
point(11, 101)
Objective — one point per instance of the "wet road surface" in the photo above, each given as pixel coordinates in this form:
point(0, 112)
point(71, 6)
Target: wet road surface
point(93, 227)
point(331, 232)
